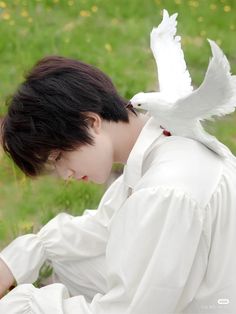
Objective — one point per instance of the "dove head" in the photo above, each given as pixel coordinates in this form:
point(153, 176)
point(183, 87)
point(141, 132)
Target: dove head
point(150, 106)
point(149, 101)
point(144, 106)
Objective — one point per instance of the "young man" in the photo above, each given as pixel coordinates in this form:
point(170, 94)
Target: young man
point(162, 238)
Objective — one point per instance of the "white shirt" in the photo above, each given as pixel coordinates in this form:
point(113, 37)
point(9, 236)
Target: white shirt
point(161, 241)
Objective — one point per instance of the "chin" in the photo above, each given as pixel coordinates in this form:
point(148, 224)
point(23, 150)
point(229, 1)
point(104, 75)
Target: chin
point(101, 179)
point(98, 181)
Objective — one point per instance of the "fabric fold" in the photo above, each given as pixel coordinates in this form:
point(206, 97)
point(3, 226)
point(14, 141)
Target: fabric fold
point(26, 265)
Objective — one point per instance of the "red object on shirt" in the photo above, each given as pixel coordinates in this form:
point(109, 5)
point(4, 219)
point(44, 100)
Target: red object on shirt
point(165, 132)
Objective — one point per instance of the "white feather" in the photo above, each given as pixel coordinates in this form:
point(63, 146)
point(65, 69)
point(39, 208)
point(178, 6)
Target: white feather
point(173, 76)
point(176, 107)
point(216, 96)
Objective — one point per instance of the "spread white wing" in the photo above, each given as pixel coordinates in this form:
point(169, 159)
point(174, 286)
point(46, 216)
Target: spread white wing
point(173, 76)
point(215, 96)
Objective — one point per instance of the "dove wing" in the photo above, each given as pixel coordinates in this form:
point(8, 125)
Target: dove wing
point(215, 96)
point(173, 75)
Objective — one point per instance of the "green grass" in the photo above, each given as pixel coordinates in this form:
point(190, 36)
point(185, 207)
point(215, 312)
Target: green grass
point(28, 204)
point(114, 36)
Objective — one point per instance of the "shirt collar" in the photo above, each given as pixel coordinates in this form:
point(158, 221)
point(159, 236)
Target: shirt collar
point(133, 167)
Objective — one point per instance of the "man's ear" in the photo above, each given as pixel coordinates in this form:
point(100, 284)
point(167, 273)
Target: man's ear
point(94, 121)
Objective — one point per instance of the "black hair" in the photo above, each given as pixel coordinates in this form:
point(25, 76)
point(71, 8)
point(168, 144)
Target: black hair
point(48, 110)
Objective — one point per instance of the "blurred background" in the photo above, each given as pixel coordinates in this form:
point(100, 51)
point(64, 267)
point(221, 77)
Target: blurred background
point(114, 36)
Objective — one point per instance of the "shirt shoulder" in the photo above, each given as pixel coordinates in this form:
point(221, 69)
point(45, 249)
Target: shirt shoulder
point(185, 164)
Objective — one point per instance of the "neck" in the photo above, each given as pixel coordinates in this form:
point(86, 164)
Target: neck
point(124, 136)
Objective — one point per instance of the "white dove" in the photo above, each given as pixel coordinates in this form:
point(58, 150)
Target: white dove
point(177, 108)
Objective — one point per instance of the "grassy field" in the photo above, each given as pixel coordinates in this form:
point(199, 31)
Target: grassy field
point(114, 36)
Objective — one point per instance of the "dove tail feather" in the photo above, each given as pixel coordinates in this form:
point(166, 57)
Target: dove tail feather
point(212, 142)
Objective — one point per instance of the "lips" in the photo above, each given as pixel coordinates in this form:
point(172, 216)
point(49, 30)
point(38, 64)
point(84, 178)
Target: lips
point(85, 178)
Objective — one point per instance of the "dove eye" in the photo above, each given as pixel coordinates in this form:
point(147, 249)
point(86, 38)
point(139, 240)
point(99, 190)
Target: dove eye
point(139, 105)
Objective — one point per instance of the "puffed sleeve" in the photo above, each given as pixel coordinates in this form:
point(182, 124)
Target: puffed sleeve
point(65, 237)
point(156, 261)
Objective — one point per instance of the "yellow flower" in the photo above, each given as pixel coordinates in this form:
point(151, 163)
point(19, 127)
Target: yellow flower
point(6, 16)
point(71, 2)
point(194, 4)
point(213, 6)
point(203, 33)
point(55, 1)
point(3, 4)
point(23, 180)
point(69, 26)
point(12, 22)
point(108, 47)
point(24, 13)
point(30, 20)
point(94, 8)
point(84, 13)
point(26, 226)
point(178, 1)
point(184, 41)
point(200, 19)
point(114, 21)
point(197, 41)
point(227, 8)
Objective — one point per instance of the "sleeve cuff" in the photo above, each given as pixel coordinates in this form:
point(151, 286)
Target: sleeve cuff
point(27, 299)
point(18, 300)
point(24, 257)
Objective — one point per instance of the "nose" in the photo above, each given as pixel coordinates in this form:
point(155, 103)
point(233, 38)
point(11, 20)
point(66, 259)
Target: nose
point(68, 175)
